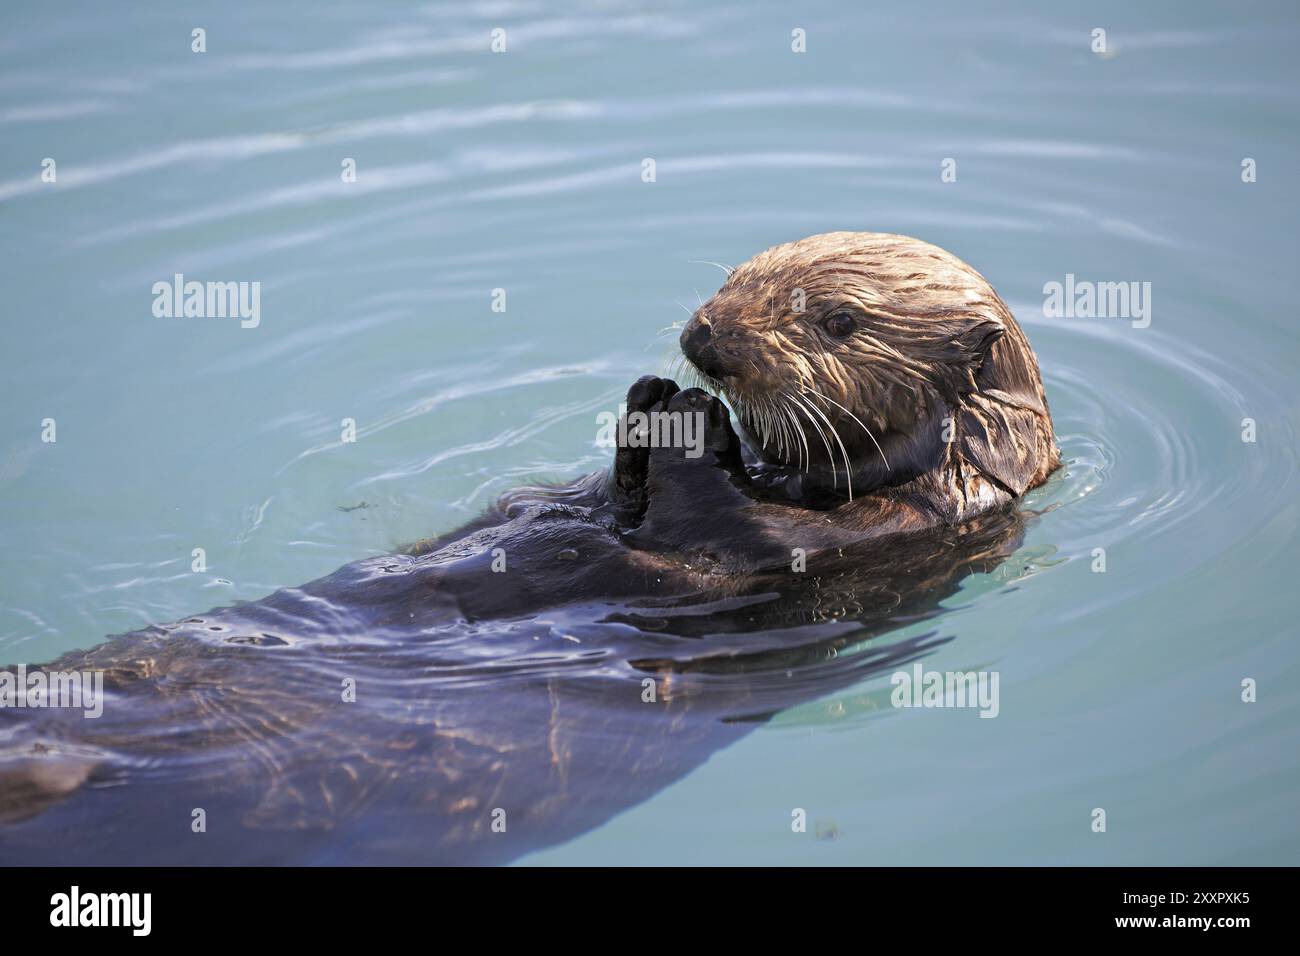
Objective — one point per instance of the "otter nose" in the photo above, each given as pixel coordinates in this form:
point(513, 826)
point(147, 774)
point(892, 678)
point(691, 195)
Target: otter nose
point(697, 345)
point(696, 335)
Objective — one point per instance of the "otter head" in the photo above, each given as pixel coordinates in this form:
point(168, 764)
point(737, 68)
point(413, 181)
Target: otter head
point(867, 359)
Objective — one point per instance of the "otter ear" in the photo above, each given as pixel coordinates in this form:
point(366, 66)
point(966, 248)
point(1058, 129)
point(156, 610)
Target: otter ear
point(967, 351)
point(977, 341)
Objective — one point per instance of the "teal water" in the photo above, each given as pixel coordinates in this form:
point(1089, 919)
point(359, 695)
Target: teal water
point(522, 171)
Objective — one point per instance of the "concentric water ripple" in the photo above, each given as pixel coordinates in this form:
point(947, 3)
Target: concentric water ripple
point(523, 172)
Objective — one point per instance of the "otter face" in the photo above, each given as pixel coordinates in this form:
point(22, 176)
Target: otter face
point(839, 348)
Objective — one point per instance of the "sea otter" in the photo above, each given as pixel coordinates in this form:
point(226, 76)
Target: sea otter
point(432, 706)
point(880, 385)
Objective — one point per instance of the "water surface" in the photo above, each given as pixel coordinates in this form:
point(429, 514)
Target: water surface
point(522, 171)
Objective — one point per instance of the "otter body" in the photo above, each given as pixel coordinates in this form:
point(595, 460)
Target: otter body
point(647, 615)
point(880, 386)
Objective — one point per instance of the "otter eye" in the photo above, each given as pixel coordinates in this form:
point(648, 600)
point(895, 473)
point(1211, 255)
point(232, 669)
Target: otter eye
point(841, 324)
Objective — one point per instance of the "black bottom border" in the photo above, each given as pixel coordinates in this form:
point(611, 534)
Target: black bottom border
point(333, 904)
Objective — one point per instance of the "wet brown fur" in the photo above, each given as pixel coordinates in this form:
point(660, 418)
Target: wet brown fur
point(935, 354)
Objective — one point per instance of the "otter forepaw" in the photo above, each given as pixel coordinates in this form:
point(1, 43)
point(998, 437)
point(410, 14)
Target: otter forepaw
point(696, 487)
point(625, 487)
point(698, 428)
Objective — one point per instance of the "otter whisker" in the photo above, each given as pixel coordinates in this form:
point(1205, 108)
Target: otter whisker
point(727, 270)
point(830, 455)
point(745, 411)
point(806, 455)
point(791, 447)
point(769, 433)
point(674, 327)
point(848, 467)
point(855, 418)
point(770, 428)
point(797, 441)
point(777, 431)
point(754, 416)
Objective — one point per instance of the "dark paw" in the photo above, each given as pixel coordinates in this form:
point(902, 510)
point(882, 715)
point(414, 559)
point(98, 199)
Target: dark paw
point(626, 485)
point(649, 390)
point(700, 430)
point(697, 492)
